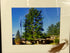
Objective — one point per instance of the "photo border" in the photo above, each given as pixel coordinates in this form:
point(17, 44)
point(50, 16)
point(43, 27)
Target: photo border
point(6, 7)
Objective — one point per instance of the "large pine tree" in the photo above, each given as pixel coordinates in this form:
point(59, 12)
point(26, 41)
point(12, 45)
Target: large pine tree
point(33, 24)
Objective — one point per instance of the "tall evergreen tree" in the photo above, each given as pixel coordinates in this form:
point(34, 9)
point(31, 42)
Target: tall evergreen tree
point(17, 39)
point(51, 29)
point(54, 29)
point(33, 24)
point(58, 28)
point(18, 34)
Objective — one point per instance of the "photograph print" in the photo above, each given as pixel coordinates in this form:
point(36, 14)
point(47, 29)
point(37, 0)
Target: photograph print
point(35, 26)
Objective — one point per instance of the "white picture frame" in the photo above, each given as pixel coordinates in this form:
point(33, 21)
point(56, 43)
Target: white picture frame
point(6, 25)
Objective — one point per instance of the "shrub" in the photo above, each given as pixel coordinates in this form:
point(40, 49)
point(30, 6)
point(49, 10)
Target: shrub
point(56, 41)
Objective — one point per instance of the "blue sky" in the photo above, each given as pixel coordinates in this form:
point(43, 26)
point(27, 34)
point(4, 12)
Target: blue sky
point(50, 16)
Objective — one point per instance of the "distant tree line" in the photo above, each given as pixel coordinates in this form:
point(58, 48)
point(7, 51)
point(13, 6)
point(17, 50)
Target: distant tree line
point(54, 29)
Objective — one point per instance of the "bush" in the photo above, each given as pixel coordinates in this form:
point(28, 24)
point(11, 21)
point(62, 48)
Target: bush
point(56, 41)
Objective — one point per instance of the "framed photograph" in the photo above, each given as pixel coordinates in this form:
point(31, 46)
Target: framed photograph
point(29, 28)
point(35, 26)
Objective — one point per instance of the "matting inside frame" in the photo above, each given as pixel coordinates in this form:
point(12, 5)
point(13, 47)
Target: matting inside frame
point(6, 21)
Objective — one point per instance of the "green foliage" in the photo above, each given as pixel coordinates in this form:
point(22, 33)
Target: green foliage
point(17, 39)
point(44, 35)
point(58, 28)
point(51, 29)
point(23, 36)
point(56, 41)
point(54, 29)
point(33, 24)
